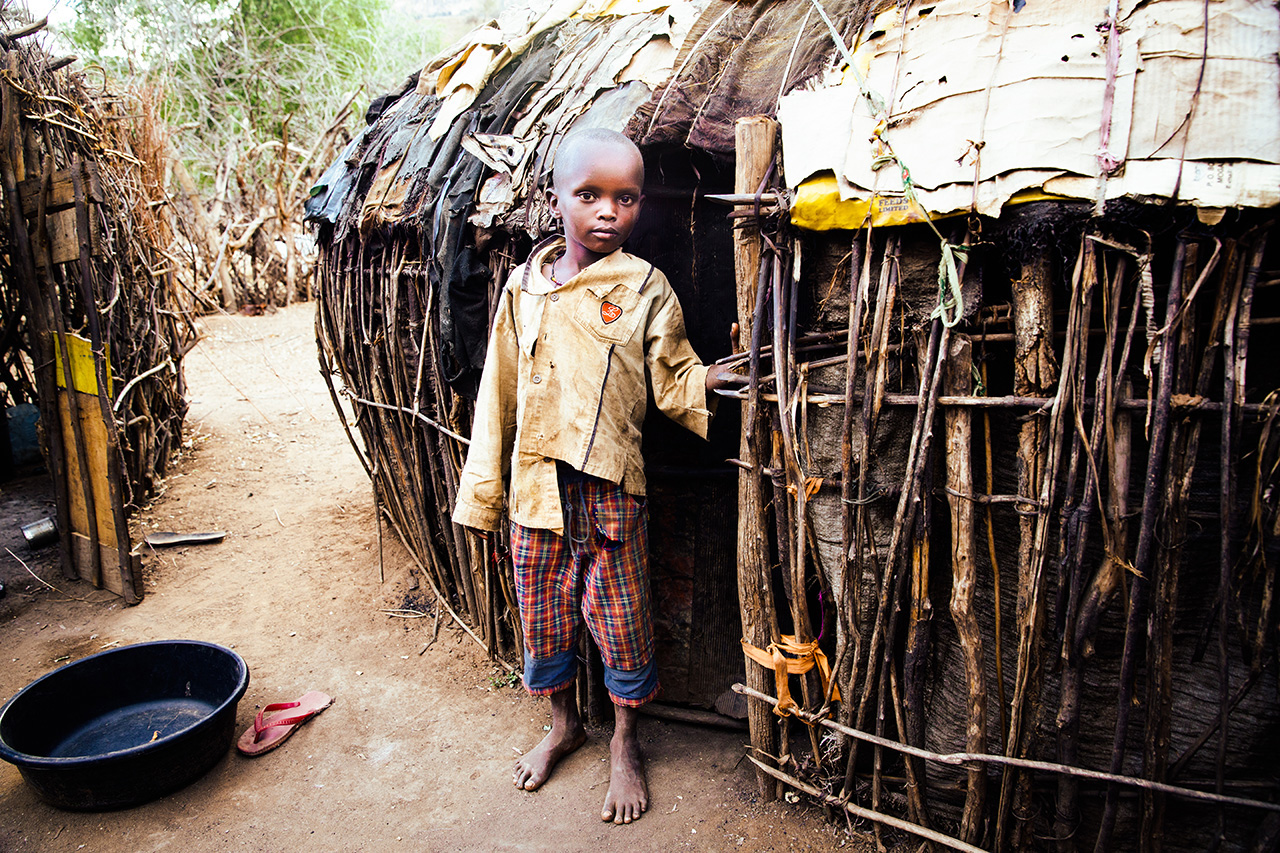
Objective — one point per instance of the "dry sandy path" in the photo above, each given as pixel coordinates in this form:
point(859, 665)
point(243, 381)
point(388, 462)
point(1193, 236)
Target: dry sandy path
point(416, 752)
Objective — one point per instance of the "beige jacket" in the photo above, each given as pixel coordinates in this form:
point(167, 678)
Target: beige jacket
point(564, 379)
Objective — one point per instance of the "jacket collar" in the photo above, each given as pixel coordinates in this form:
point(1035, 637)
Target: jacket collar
point(613, 269)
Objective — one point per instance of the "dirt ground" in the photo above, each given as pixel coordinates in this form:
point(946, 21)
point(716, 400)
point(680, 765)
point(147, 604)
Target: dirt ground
point(417, 749)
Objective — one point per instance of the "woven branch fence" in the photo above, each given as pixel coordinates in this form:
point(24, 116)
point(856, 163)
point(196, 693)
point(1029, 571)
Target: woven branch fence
point(85, 257)
point(1047, 532)
point(381, 340)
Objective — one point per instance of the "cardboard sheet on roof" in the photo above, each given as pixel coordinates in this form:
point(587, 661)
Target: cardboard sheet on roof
point(1018, 100)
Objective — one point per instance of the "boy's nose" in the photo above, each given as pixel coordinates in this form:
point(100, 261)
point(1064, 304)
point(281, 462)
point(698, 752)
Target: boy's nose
point(607, 210)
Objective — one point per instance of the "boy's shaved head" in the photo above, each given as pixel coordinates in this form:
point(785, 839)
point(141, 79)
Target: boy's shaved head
point(582, 145)
point(596, 192)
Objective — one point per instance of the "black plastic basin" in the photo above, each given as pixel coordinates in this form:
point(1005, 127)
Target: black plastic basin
point(125, 726)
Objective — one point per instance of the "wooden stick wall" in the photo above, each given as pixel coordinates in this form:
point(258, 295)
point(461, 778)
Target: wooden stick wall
point(1123, 365)
point(87, 281)
point(378, 329)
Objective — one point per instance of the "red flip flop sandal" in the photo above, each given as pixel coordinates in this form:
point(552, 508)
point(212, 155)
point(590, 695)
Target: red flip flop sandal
point(266, 734)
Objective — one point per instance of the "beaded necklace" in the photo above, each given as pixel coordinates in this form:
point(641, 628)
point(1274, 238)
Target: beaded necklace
point(552, 267)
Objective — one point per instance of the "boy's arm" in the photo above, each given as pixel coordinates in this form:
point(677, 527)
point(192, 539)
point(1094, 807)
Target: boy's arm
point(680, 383)
point(481, 489)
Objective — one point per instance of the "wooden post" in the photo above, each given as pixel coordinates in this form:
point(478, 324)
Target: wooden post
point(848, 642)
point(755, 138)
point(13, 170)
point(1144, 558)
point(863, 560)
point(1035, 373)
point(1235, 356)
point(1110, 438)
point(1173, 527)
point(76, 430)
point(964, 574)
point(915, 657)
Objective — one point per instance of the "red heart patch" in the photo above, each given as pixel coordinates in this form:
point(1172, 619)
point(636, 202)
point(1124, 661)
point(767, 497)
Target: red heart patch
point(609, 312)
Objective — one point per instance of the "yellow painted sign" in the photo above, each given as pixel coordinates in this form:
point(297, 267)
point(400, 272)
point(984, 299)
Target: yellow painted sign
point(83, 368)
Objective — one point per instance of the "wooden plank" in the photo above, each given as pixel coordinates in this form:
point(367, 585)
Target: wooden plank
point(60, 212)
point(81, 552)
point(61, 191)
point(64, 241)
point(84, 507)
point(130, 581)
point(94, 433)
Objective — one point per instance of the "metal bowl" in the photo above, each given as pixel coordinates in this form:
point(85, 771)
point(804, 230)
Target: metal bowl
point(125, 726)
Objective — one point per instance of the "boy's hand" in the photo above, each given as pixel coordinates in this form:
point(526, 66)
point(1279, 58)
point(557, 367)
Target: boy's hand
point(719, 377)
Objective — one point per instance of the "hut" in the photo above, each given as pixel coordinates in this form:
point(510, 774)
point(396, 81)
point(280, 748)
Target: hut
point(93, 321)
point(995, 520)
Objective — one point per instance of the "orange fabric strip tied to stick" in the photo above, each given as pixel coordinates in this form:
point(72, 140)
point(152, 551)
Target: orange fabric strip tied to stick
point(787, 657)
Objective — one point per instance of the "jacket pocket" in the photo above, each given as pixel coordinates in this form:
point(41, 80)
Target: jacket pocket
point(610, 316)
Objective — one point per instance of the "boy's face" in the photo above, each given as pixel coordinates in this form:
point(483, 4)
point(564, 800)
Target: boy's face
point(598, 196)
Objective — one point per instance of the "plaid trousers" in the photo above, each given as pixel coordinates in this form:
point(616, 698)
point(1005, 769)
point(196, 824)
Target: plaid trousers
point(596, 573)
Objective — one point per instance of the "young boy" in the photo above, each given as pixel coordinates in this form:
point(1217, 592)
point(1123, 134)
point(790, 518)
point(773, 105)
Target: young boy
point(580, 328)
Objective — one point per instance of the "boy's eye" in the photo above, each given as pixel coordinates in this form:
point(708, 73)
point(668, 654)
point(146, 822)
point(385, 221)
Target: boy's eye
point(586, 196)
point(626, 200)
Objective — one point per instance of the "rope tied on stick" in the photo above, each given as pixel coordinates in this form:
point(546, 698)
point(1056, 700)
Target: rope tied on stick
point(788, 656)
point(950, 308)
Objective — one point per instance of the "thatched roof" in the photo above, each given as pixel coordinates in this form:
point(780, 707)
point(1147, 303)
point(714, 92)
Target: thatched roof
point(1053, 99)
point(669, 73)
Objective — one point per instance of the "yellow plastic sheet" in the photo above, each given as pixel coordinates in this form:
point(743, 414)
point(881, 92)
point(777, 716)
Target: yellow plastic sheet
point(619, 8)
point(818, 207)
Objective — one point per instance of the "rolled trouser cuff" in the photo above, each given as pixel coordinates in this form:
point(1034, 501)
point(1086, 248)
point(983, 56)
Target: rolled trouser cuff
point(632, 688)
point(544, 676)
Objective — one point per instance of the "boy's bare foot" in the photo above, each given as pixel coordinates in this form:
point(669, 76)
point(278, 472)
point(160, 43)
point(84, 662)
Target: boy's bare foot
point(628, 795)
point(566, 735)
point(533, 768)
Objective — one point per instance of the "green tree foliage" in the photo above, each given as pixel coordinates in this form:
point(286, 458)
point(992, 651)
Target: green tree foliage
point(235, 73)
point(293, 50)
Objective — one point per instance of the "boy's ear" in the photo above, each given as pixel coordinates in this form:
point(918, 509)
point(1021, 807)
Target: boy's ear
point(553, 201)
